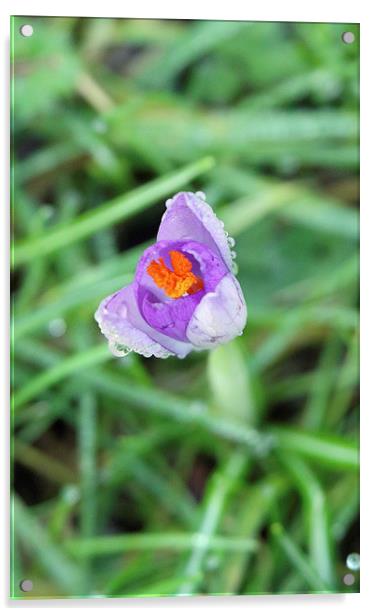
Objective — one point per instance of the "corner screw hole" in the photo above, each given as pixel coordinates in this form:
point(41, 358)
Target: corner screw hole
point(26, 30)
point(26, 585)
point(348, 38)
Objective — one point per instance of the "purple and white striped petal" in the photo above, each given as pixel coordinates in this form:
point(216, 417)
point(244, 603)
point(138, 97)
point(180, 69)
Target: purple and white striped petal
point(121, 322)
point(189, 217)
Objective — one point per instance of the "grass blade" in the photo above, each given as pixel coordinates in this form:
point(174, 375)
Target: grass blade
point(180, 542)
point(333, 452)
point(64, 572)
point(318, 528)
point(42, 464)
point(221, 485)
point(298, 559)
point(120, 208)
point(71, 365)
point(87, 434)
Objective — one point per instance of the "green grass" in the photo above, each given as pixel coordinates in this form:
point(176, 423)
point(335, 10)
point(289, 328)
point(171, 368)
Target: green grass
point(230, 472)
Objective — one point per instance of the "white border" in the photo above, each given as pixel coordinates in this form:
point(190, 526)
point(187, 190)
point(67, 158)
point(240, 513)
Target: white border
point(316, 11)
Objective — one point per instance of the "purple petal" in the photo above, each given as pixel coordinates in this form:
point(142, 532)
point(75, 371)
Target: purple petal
point(122, 324)
point(189, 217)
point(220, 316)
point(172, 316)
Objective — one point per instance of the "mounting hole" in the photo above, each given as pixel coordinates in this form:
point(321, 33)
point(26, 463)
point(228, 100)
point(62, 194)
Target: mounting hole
point(348, 37)
point(26, 30)
point(348, 579)
point(26, 585)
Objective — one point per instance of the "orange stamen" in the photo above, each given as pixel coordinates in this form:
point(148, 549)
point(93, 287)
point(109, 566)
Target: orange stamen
point(177, 281)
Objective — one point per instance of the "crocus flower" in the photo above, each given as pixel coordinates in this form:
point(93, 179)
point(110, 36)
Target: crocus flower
point(185, 295)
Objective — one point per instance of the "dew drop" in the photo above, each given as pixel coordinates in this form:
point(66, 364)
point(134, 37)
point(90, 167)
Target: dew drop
point(168, 203)
point(263, 445)
point(119, 350)
point(231, 242)
point(48, 212)
point(233, 254)
point(201, 195)
point(212, 562)
point(57, 328)
point(353, 561)
point(99, 126)
point(198, 407)
point(70, 494)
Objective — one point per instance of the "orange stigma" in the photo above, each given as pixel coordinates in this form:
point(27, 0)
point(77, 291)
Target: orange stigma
point(177, 281)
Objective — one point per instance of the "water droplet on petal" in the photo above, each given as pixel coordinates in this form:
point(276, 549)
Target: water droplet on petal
point(168, 203)
point(119, 350)
point(231, 242)
point(201, 195)
point(233, 254)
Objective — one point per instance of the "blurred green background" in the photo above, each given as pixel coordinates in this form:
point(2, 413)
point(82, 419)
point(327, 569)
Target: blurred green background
point(234, 471)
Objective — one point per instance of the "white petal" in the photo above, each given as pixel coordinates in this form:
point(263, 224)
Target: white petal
point(219, 317)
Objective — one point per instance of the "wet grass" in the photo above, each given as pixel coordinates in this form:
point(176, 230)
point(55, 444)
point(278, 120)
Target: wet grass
point(234, 471)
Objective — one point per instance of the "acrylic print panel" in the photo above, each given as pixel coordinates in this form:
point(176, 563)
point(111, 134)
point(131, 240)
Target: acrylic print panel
point(212, 446)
